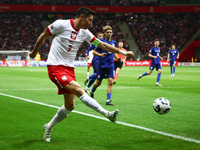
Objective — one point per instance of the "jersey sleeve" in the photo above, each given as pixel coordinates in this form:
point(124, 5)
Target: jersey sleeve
point(169, 51)
point(55, 27)
point(89, 37)
point(151, 51)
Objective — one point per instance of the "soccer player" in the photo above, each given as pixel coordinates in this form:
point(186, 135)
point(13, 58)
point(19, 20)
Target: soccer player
point(154, 53)
point(173, 54)
point(119, 63)
point(106, 66)
point(38, 58)
point(68, 36)
point(95, 62)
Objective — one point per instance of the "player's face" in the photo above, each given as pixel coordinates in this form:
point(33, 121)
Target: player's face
point(108, 34)
point(86, 22)
point(120, 44)
point(156, 43)
point(173, 47)
point(100, 36)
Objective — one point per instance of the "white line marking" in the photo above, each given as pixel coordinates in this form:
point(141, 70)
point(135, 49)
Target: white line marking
point(121, 87)
point(102, 118)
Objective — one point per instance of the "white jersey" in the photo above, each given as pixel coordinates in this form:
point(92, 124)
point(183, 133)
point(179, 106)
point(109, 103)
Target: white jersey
point(90, 56)
point(66, 42)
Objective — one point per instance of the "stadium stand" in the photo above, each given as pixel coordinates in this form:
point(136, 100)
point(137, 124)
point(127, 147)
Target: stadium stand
point(169, 28)
point(20, 30)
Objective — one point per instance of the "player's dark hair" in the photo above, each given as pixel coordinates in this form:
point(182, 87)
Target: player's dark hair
point(173, 44)
point(156, 40)
point(86, 12)
point(99, 33)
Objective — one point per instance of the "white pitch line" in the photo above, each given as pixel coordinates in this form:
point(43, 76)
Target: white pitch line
point(103, 88)
point(103, 118)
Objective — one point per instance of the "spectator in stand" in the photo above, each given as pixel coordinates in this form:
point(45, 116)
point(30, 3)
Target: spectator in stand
point(170, 28)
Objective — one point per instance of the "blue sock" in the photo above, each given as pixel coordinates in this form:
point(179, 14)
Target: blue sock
point(93, 90)
point(158, 77)
point(93, 76)
point(171, 71)
point(108, 96)
point(174, 70)
point(91, 82)
point(144, 74)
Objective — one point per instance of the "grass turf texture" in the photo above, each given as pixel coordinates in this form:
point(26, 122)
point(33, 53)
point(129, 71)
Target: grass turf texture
point(21, 122)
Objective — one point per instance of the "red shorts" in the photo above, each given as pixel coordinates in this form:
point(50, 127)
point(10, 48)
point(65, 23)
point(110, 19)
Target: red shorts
point(61, 76)
point(89, 64)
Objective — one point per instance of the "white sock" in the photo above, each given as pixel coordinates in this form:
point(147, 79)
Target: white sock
point(88, 74)
point(61, 114)
point(92, 103)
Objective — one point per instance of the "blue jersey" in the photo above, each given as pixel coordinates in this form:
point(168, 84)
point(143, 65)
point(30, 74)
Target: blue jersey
point(155, 52)
point(173, 54)
point(108, 60)
point(95, 58)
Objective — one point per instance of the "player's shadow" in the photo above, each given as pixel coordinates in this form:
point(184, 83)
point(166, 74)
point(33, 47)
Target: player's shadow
point(27, 143)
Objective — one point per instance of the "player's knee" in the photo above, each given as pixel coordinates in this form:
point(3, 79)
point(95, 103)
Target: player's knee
point(70, 107)
point(149, 72)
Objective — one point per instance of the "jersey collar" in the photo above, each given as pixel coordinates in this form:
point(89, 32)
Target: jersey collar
point(72, 24)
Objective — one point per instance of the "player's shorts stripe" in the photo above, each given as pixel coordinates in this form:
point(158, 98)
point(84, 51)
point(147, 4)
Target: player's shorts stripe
point(49, 31)
point(57, 81)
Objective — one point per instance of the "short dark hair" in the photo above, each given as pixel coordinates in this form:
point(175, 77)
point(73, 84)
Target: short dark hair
point(86, 12)
point(173, 44)
point(156, 40)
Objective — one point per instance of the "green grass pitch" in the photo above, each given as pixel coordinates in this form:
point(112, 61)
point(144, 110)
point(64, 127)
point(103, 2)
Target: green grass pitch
point(21, 122)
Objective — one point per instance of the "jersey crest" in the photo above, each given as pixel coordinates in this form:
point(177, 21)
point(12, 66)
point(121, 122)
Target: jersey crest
point(73, 35)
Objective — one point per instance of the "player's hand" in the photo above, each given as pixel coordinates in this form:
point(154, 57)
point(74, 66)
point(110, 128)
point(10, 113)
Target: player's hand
point(32, 54)
point(119, 59)
point(87, 58)
point(161, 58)
point(167, 59)
point(155, 57)
point(130, 54)
point(103, 54)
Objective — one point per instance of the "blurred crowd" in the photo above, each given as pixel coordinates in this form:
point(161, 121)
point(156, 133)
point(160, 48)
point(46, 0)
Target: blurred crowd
point(168, 28)
point(85, 2)
point(20, 30)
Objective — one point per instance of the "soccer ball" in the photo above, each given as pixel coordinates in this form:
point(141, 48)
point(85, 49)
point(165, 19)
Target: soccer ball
point(161, 106)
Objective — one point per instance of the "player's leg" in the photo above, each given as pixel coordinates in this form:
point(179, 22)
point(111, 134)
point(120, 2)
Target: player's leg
point(62, 113)
point(171, 67)
point(174, 67)
point(109, 92)
point(95, 86)
point(93, 77)
point(116, 74)
point(151, 68)
point(158, 77)
point(75, 88)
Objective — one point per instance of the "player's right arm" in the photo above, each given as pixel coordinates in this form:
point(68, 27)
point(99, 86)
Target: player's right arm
point(95, 53)
point(150, 55)
point(39, 43)
point(168, 57)
point(109, 48)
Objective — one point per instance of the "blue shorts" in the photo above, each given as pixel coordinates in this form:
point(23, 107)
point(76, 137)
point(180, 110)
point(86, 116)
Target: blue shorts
point(172, 63)
point(95, 66)
point(105, 73)
point(153, 65)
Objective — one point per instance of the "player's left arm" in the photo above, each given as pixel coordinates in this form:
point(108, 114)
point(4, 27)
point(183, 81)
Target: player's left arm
point(161, 58)
point(177, 56)
point(110, 48)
